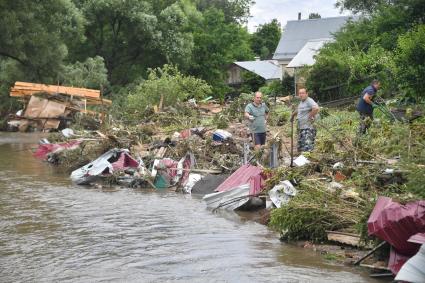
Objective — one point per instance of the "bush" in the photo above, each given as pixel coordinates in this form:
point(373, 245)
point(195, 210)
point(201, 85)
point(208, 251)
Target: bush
point(166, 85)
point(410, 58)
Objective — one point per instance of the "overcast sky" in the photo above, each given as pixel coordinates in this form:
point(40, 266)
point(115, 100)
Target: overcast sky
point(263, 11)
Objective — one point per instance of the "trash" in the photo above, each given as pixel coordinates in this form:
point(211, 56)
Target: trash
point(388, 171)
point(230, 199)
point(67, 133)
point(221, 135)
point(168, 172)
point(338, 165)
point(334, 186)
point(208, 184)
point(48, 105)
point(339, 176)
point(350, 194)
point(282, 193)
point(246, 174)
point(192, 180)
point(414, 269)
point(106, 164)
point(301, 161)
point(396, 223)
point(45, 148)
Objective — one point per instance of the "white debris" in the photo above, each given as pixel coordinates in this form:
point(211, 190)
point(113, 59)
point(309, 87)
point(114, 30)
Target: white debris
point(301, 161)
point(282, 193)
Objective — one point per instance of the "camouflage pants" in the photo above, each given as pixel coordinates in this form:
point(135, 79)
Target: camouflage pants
point(306, 138)
point(365, 122)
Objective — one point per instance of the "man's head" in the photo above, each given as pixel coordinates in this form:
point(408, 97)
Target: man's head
point(376, 84)
point(302, 94)
point(258, 97)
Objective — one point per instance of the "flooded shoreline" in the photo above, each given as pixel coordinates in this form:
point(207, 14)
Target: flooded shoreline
point(52, 230)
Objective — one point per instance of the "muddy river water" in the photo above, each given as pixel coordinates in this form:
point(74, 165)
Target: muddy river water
point(54, 231)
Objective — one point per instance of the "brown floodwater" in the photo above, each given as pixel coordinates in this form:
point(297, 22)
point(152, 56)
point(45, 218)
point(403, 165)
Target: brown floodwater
point(52, 230)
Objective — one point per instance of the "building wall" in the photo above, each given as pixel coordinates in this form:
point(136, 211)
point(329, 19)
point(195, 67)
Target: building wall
point(234, 76)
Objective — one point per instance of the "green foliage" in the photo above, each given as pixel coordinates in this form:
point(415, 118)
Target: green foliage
point(385, 45)
point(165, 84)
point(279, 115)
point(217, 45)
point(410, 59)
point(265, 39)
point(416, 184)
point(91, 73)
point(251, 82)
point(272, 88)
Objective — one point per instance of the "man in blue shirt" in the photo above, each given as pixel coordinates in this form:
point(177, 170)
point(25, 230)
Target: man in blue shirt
point(256, 112)
point(365, 106)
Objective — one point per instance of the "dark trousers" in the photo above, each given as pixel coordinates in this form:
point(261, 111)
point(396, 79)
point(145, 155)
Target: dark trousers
point(365, 122)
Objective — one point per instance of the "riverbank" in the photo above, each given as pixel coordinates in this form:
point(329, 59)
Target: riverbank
point(57, 231)
point(336, 190)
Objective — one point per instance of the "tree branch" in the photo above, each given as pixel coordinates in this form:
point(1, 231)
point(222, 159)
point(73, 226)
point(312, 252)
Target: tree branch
point(4, 54)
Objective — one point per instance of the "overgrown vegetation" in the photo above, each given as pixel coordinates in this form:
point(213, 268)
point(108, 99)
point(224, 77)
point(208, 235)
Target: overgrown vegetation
point(387, 43)
point(362, 177)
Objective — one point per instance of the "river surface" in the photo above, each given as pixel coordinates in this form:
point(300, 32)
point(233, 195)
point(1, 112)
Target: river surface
point(54, 231)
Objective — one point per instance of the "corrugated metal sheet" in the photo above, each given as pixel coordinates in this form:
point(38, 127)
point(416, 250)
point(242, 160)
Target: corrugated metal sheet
point(418, 238)
point(264, 69)
point(414, 269)
point(240, 177)
point(396, 223)
point(306, 55)
point(297, 33)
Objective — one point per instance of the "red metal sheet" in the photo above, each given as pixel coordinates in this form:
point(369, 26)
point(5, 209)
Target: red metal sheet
point(240, 177)
point(396, 260)
point(418, 238)
point(396, 223)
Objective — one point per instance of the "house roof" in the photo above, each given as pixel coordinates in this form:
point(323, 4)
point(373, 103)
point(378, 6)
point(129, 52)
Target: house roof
point(305, 56)
point(298, 33)
point(265, 69)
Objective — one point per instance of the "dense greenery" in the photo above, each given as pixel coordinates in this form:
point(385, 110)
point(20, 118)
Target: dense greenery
point(387, 43)
point(111, 44)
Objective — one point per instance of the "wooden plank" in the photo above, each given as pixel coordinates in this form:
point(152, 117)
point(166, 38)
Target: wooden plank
point(71, 91)
point(344, 239)
point(90, 101)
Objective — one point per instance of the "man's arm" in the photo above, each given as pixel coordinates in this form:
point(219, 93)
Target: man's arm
point(368, 98)
point(314, 110)
point(248, 116)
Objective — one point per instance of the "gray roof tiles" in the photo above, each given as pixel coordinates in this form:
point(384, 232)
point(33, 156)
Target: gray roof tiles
point(298, 33)
point(264, 69)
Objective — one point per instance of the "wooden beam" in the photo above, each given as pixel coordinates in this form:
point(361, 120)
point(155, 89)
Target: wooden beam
point(71, 91)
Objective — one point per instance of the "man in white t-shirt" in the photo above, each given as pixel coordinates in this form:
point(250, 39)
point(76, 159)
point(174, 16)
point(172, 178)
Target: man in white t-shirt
point(306, 114)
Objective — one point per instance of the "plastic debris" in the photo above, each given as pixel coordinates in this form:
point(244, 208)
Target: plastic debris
point(282, 193)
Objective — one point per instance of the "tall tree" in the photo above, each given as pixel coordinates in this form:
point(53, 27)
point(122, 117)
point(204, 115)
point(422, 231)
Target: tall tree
point(217, 45)
point(33, 34)
point(236, 11)
point(265, 39)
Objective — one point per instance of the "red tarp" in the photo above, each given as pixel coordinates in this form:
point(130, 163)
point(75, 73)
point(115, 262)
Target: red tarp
point(244, 175)
point(44, 149)
point(396, 223)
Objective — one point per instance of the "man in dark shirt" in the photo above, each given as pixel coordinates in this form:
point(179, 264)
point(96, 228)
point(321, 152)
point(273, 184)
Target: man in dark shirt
point(365, 106)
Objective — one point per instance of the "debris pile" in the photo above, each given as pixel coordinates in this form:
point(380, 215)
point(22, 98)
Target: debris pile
point(49, 106)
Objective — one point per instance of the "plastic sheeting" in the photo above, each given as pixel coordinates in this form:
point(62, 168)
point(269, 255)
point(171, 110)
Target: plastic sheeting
point(43, 150)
